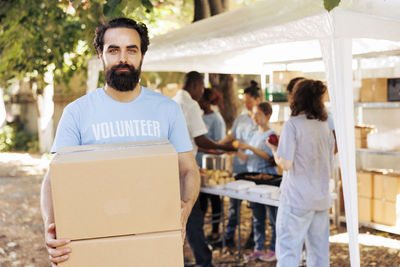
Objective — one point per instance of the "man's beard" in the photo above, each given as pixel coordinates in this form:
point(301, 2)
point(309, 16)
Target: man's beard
point(123, 80)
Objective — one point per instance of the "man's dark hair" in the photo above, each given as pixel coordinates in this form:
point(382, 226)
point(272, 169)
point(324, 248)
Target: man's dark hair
point(253, 90)
point(121, 23)
point(291, 84)
point(191, 78)
point(307, 98)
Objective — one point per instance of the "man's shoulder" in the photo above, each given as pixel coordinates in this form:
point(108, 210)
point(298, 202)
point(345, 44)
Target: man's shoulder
point(83, 101)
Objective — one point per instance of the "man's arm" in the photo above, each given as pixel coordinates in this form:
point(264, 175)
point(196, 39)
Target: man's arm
point(258, 152)
point(46, 205)
point(206, 143)
point(229, 138)
point(189, 176)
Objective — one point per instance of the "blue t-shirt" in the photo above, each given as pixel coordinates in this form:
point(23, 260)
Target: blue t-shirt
point(216, 130)
point(96, 118)
point(243, 128)
point(254, 162)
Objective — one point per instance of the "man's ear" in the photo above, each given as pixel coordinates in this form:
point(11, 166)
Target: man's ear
point(100, 55)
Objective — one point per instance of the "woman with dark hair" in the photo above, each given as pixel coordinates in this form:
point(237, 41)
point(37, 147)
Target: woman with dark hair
point(216, 131)
point(259, 157)
point(305, 153)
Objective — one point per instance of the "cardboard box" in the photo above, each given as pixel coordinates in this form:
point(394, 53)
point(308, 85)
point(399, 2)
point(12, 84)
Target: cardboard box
point(386, 212)
point(115, 189)
point(364, 184)
point(145, 250)
point(365, 209)
point(386, 187)
point(361, 143)
point(374, 90)
point(361, 133)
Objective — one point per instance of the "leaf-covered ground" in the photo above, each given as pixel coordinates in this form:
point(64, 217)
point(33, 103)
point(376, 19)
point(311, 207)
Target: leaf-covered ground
point(21, 230)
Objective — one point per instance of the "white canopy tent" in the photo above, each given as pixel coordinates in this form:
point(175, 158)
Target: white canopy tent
point(251, 39)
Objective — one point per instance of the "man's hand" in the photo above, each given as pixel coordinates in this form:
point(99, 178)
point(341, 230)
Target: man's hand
point(189, 177)
point(243, 146)
point(56, 255)
point(271, 146)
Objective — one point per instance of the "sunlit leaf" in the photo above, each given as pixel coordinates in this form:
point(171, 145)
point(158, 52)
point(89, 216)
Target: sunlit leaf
point(331, 4)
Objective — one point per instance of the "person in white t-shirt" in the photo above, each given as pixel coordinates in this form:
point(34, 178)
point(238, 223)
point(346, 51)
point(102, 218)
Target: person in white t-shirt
point(187, 98)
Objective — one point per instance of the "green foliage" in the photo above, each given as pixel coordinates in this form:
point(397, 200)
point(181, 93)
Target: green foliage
point(36, 35)
point(331, 4)
point(12, 139)
point(7, 135)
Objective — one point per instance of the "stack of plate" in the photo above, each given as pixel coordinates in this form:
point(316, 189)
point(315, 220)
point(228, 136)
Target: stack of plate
point(240, 185)
point(263, 190)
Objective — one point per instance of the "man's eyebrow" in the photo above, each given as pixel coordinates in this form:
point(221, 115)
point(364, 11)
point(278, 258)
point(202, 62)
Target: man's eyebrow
point(113, 46)
point(133, 46)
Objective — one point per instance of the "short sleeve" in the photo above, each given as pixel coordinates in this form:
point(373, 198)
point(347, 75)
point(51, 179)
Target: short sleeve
point(235, 125)
point(178, 132)
point(287, 141)
point(219, 128)
point(68, 133)
point(195, 122)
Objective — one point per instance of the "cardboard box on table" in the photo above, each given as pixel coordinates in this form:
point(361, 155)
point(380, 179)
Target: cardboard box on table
point(101, 192)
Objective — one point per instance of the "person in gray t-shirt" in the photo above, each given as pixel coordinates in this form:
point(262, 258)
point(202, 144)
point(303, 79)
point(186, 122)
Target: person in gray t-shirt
point(305, 153)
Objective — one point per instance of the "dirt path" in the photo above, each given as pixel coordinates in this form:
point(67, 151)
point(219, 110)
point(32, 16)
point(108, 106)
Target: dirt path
point(21, 229)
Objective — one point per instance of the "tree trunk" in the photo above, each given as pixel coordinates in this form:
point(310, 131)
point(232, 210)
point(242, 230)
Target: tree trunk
point(222, 82)
point(225, 5)
point(45, 111)
point(216, 7)
point(201, 10)
point(225, 84)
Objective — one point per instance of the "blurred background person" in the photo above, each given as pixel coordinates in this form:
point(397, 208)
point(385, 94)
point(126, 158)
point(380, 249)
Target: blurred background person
point(216, 131)
point(260, 159)
point(242, 130)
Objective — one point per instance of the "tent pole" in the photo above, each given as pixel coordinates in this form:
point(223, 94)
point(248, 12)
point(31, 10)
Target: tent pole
point(337, 56)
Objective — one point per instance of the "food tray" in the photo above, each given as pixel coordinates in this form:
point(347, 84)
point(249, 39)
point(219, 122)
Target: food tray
point(275, 180)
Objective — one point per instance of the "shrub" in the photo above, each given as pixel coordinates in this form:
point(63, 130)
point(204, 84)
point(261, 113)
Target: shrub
point(12, 139)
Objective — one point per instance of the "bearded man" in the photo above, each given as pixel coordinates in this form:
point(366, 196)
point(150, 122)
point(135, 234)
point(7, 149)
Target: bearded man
point(122, 111)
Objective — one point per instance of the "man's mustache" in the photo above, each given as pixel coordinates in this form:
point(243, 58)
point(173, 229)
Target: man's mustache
point(123, 66)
